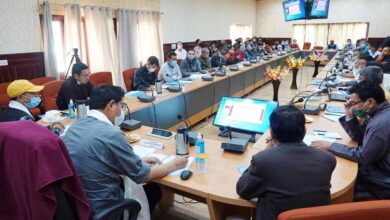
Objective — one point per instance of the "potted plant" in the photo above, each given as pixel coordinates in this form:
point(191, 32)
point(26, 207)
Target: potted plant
point(317, 57)
point(276, 75)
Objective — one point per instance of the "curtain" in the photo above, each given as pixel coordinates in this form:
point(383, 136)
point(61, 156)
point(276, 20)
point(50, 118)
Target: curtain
point(139, 37)
point(341, 32)
point(240, 30)
point(48, 43)
point(321, 34)
point(128, 39)
point(150, 35)
point(102, 45)
point(73, 33)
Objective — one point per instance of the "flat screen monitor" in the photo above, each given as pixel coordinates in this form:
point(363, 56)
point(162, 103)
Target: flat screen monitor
point(294, 10)
point(247, 115)
point(319, 9)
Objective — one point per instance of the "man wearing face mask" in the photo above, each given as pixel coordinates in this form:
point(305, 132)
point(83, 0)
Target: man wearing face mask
point(331, 46)
point(191, 65)
point(180, 51)
point(76, 87)
point(249, 53)
point(102, 154)
point(204, 59)
point(367, 122)
point(349, 46)
point(145, 76)
point(218, 59)
point(277, 176)
point(170, 70)
point(294, 45)
point(363, 46)
point(24, 96)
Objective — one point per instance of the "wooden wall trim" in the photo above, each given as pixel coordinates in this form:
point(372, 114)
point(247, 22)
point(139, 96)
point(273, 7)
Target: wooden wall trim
point(22, 66)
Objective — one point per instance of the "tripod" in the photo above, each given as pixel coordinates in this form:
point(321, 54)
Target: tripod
point(74, 56)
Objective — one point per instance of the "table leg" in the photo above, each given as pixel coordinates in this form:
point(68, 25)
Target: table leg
point(167, 199)
point(216, 210)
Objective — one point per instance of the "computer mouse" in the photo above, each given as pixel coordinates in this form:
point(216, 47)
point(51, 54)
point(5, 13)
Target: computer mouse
point(185, 175)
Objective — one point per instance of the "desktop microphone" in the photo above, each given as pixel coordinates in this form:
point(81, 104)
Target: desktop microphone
point(129, 124)
point(174, 88)
point(146, 98)
point(299, 100)
point(312, 110)
point(192, 136)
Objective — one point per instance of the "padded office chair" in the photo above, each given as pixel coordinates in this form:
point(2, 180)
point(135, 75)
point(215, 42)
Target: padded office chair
point(306, 46)
point(128, 76)
point(49, 94)
point(373, 210)
point(42, 80)
point(101, 78)
point(318, 48)
point(4, 99)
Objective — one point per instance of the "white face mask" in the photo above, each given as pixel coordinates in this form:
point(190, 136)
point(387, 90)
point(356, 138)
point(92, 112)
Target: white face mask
point(151, 70)
point(119, 119)
point(179, 46)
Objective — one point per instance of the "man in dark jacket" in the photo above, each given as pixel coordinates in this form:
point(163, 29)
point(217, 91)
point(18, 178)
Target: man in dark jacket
point(76, 87)
point(367, 122)
point(288, 174)
point(146, 76)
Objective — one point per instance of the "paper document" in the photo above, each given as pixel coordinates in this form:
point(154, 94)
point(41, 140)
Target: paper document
point(310, 138)
point(143, 151)
point(334, 118)
point(327, 134)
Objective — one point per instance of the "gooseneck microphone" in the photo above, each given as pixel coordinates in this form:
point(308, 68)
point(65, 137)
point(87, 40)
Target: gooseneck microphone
point(129, 124)
point(174, 88)
point(144, 97)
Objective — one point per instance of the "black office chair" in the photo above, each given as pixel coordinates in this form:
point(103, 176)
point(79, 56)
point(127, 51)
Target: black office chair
point(118, 208)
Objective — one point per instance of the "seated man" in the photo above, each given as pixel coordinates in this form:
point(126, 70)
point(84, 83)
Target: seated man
point(145, 76)
point(180, 51)
point(217, 59)
point(204, 59)
point(102, 154)
point(240, 55)
point(349, 46)
point(76, 87)
point(170, 70)
point(249, 53)
point(385, 56)
point(373, 52)
point(231, 58)
point(278, 175)
point(363, 46)
point(294, 45)
point(366, 122)
point(354, 73)
point(331, 46)
point(191, 65)
point(24, 96)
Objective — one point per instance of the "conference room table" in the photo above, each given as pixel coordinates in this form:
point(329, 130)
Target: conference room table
point(217, 186)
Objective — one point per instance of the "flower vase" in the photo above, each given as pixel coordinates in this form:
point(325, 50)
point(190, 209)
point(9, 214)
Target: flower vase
point(294, 79)
point(316, 65)
point(275, 85)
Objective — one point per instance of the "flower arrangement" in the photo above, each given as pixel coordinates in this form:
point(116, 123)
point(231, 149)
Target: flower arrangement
point(318, 56)
point(276, 74)
point(293, 62)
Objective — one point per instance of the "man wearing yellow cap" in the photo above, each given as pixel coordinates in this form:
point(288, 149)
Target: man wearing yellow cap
point(24, 96)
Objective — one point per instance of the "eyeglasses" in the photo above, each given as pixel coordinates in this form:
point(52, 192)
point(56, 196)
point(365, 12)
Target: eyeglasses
point(123, 106)
point(355, 103)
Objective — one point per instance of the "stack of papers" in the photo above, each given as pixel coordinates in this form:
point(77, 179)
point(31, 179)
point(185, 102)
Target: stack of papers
point(310, 138)
point(149, 152)
point(334, 112)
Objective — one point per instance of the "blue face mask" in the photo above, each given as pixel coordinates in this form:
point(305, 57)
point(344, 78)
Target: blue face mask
point(34, 102)
point(173, 62)
point(362, 46)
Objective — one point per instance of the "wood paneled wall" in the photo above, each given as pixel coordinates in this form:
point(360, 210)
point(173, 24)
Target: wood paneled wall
point(22, 66)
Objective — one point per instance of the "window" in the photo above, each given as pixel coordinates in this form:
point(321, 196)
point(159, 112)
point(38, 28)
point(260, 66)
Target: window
point(321, 34)
point(240, 30)
point(58, 44)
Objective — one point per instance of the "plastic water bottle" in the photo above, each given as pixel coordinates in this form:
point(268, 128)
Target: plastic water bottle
point(200, 153)
point(71, 114)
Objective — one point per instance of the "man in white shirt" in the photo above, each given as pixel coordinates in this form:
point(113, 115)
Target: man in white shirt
point(180, 51)
point(373, 52)
point(170, 70)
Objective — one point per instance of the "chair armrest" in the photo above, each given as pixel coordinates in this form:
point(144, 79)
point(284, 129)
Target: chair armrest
point(119, 207)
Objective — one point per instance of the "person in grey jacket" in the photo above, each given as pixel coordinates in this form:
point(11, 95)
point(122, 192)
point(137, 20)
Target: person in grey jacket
point(170, 70)
point(367, 122)
point(191, 65)
point(287, 174)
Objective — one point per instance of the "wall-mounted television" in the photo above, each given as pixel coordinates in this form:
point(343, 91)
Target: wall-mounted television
point(294, 10)
point(319, 9)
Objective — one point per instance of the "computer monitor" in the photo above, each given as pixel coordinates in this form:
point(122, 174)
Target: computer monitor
point(294, 10)
point(319, 9)
point(245, 115)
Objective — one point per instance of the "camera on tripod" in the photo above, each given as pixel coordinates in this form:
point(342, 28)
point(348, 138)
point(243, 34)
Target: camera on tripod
point(76, 57)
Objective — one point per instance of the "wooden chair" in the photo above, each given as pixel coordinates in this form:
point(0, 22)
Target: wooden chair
point(101, 78)
point(306, 46)
point(373, 210)
point(128, 76)
point(42, 80)
point(50, 93)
